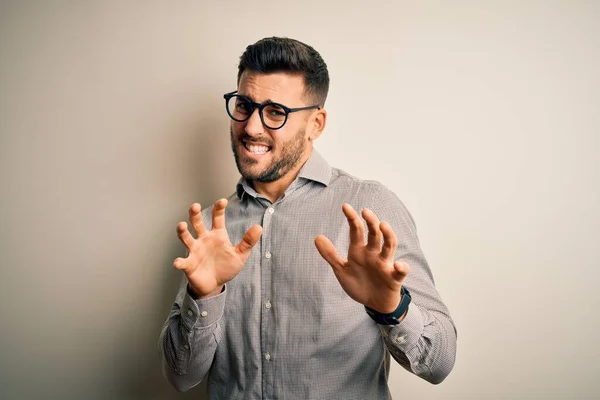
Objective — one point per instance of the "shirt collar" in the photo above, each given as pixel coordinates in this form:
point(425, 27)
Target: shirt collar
point(315, 169)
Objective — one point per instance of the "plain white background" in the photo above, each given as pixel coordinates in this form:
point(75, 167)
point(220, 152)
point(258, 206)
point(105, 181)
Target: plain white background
point(482, 116)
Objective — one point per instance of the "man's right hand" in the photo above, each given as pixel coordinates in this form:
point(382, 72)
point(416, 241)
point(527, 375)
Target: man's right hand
point(212, 259)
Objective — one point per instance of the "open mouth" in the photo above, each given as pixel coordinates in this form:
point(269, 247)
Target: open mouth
point(256, 148)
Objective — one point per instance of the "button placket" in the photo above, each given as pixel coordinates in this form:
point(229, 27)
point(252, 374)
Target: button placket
point(266, 225)
point(266, 326)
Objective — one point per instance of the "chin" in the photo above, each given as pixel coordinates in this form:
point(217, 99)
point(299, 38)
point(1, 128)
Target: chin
point(249, 169)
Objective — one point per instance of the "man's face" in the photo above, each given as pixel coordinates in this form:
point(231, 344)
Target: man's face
point(265, 155)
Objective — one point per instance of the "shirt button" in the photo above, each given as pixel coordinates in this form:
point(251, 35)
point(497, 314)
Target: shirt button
point(267, 356)
point(271, 210)
point(204, 313)
point(190, 313)
point(185, 346)
point(400, 339)
point(268, 305)
point(268, 255)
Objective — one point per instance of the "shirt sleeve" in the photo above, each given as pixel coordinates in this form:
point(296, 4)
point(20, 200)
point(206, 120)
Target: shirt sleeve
point(189, 337)
point(424, 342)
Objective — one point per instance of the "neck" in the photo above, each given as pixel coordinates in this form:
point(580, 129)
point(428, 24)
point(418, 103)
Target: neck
point(274, 190)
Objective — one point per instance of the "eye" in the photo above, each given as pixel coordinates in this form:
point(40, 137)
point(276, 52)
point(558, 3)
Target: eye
point(275, 112)
point(243, 106)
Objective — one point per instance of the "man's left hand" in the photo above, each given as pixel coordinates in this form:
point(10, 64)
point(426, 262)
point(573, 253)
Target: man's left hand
point(369, 275)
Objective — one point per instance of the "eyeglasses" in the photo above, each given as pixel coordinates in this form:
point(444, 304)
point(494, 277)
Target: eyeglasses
point(272, 115)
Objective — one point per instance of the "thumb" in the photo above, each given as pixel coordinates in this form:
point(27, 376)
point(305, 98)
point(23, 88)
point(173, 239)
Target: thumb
point(327, 251)
point(250, 239)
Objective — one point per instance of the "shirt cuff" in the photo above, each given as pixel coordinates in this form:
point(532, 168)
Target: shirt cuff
point(201, 313)
point(406, 334)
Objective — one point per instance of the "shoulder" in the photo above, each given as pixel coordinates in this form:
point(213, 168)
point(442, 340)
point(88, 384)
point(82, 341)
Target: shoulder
point(366, 187)
point(384, 202)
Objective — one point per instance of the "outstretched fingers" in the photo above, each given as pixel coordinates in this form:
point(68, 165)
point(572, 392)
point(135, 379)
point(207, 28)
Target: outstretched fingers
point(182, 264)
point(327, 251)
point(375, 235)
point(184, 235)
point(218, 214)
point(357, 230)
point(401, 269)
point(249, 240)
point(188, 240)
point(196, 219)
point(390, 243)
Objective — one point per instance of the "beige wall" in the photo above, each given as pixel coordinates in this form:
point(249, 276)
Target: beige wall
point(481, 115)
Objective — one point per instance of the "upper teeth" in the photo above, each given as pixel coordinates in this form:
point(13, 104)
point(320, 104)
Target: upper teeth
point(257, 149)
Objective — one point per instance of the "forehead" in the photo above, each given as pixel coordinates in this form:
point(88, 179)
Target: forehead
point(278, 87)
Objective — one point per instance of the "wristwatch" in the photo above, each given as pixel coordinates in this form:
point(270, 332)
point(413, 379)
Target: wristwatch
point(392, 318)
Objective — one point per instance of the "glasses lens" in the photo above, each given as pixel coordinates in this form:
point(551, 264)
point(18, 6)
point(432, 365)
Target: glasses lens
point(239, 108)
point(274, 116)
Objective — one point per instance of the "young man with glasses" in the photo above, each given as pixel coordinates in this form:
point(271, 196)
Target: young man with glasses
point(286, 293)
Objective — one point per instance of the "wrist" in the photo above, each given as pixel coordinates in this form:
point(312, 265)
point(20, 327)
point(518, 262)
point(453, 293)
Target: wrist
point(198, 296)
point(396, 316)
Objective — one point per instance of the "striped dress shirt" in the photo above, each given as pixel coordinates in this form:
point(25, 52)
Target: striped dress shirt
point(284, 328)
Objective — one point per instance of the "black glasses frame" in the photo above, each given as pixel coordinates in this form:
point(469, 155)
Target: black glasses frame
point(260, 108)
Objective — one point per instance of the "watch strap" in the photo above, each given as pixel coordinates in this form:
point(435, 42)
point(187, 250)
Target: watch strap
point(392, 318)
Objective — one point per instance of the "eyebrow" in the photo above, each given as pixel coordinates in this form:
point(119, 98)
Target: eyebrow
point(264, 102)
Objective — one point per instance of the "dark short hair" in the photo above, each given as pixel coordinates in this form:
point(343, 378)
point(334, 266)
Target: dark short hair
point(277, 54)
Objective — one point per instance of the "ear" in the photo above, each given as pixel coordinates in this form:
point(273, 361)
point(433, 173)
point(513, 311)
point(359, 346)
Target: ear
point(317, 124)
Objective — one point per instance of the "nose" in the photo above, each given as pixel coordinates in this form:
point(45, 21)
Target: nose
point(254, 126)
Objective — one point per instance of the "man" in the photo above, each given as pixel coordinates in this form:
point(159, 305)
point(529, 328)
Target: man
point(268, 308)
